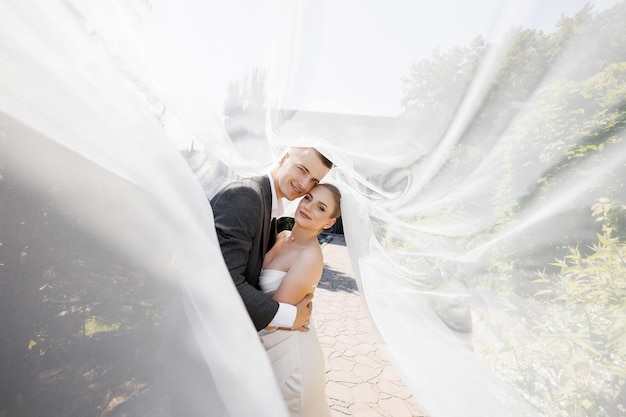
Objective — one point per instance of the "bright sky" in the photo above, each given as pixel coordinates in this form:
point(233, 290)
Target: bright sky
point(350, 55)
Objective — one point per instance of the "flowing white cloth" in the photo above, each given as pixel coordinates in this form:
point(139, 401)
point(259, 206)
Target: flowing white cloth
point(297, 360)
point(459, 224)
point(116, 178)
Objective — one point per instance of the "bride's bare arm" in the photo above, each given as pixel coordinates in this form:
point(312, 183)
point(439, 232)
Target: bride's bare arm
point(301, 278)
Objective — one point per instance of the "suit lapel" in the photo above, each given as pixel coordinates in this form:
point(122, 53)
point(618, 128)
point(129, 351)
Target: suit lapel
point(272, 237)
point(268, 236)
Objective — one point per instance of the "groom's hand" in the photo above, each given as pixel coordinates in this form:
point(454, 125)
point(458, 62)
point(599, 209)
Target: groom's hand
point(305, 307)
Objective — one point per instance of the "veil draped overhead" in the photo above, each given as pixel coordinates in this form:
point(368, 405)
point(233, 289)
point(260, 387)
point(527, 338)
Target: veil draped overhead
point(481, 161)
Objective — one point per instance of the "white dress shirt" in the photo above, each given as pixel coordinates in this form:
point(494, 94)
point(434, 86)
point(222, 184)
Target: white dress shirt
point(286, 314)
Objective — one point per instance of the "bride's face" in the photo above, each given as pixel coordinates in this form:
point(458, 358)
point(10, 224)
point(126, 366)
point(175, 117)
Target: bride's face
point(315, 209)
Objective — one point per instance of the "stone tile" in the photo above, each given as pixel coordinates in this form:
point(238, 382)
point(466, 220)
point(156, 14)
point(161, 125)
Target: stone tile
point(337, 410)
point(364, 410)
point(396, 407)
point(341, 392)
point(394, 389)
point(390, 374)
point(366, 373)
point(343, 376)
point(365, 393)
point(365, 348)
point(367, 360)
point(341, 364)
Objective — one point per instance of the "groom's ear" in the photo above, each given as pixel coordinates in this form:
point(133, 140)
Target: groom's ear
point(283, 159)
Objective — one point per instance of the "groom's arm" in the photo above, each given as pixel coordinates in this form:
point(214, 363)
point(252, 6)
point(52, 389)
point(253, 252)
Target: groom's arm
point(237, 214)
point(294, 317)
point(285, 316)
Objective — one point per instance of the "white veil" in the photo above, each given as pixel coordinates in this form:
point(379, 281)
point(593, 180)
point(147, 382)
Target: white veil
point(482, 173)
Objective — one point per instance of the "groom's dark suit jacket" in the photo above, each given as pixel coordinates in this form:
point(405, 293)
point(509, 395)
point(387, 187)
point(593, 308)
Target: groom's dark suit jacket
point(242, 212)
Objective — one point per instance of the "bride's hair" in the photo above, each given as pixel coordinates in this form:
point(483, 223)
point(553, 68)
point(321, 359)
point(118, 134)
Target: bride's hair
point(336, 196)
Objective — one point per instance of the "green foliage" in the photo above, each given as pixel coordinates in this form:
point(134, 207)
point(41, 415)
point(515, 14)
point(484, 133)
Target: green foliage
point(585, 306)
point(78, 320)
point(572, 125)
point(436, 87)
point(284, 223)
point(566, 348)
point(556, 107)
point(613, 218)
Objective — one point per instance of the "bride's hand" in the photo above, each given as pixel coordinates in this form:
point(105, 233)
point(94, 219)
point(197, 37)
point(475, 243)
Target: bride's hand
point(303, 329)
point(303, 316)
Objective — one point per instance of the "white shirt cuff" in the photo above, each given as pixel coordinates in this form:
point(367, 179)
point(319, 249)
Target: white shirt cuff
point(285, 316)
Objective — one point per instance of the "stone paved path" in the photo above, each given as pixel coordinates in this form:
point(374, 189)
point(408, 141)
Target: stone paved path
point(360, 381)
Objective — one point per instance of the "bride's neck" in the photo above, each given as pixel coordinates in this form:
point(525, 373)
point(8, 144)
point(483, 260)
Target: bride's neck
point(299, 235)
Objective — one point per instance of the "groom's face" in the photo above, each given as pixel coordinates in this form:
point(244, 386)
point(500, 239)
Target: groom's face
point(298, 171)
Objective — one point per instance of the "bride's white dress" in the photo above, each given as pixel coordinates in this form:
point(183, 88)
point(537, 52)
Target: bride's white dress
point(297, 360)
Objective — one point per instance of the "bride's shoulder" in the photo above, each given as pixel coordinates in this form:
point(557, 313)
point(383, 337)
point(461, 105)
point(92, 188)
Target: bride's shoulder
point(308, 264)
point(313, 254)
point(283, 234)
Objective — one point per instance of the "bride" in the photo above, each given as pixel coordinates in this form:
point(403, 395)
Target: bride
point(291, 270)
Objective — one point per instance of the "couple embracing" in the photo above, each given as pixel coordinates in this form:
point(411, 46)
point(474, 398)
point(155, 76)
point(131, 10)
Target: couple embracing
point(276, 275)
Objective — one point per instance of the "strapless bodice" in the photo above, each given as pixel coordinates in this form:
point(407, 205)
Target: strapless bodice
point(270, 279)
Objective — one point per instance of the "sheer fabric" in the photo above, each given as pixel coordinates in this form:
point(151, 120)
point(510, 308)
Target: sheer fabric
point(483, 192)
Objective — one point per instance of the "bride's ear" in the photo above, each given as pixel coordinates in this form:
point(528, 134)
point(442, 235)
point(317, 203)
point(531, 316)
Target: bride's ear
point(330, 223)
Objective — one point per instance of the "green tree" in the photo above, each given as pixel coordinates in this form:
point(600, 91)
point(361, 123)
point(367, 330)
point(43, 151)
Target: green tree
point(556, 104)
point(77, 318)
point(435, 87)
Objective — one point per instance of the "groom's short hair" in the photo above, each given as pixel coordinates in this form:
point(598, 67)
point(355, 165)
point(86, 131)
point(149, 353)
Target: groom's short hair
point(325, 161)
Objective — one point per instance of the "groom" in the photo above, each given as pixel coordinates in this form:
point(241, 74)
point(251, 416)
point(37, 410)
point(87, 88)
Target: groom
point(245, 213)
